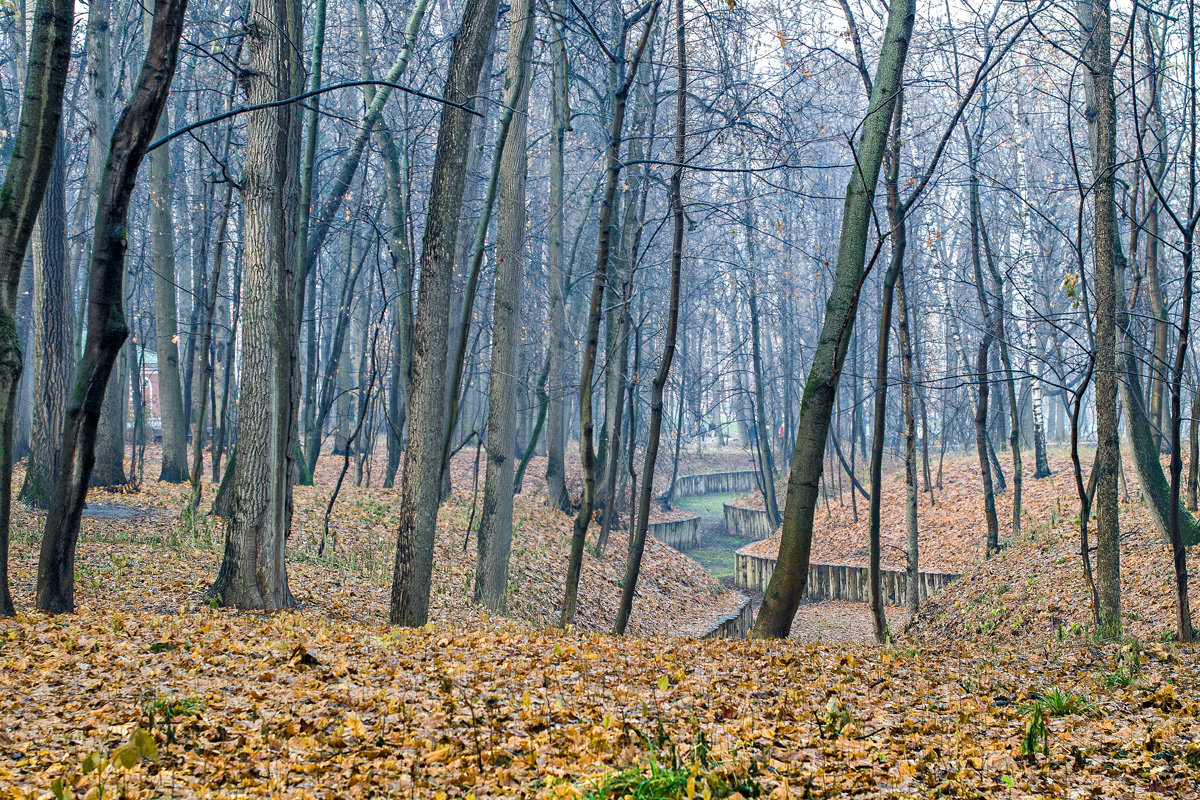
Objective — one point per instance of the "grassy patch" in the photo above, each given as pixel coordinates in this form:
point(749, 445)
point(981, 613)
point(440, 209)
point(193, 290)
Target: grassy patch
point(711, 507)
point(716, 555)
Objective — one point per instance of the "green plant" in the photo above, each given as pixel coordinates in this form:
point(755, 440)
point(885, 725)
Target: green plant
point(834, 718)
point(167, 710)
point(664, 776)
point(1060, 703)
point(124, 758)
point(1036, 732)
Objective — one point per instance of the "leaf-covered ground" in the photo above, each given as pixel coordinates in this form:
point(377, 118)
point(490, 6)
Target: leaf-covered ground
point(948, 518)
point(148, 692)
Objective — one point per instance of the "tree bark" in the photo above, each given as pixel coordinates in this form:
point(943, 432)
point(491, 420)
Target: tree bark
point(420, 482)
point(166, 334)
point(106, 317)
point(253, 572)
point(560, 112)
point(637, 542)
point(882, 357)
point(1096, 19)
point(45, 74)
point(791, 571)
point(109, 469)
point(53, 349)
point(494, 539)
point(587, 445)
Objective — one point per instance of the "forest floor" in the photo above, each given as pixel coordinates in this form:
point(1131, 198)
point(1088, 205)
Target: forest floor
point(997, 690)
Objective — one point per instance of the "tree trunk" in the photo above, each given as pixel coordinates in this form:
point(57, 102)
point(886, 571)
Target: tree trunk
point(52, 345)
point(766, 463)
point(20, 198)
point(587, 445)
point(1096, 20)
point(982, 442)
point(882, 357)
point(556, 487)
point(109, 469)
point(912, 600)
point(166, 336)
point(1024, 314)
point(494, 540)
point(253, 571)
point(420, 482)
point(637, 540)
point(106, 317)
point(791, 571)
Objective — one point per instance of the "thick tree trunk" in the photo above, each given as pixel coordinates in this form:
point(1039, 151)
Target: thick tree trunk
point(253, 571)
point(52, 345)
point(791, 571)
point(24, 184)
point(420, 482)
point(106, 317)
point(494, 540)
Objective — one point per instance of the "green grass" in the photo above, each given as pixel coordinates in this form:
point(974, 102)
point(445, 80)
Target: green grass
point(709, 506)
point(716, 555)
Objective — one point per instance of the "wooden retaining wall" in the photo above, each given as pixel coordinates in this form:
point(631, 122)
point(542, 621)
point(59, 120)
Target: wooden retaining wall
point(838, 581)
point(733, 626)
point(713, 482)
point(747, 523)
point(682, 534)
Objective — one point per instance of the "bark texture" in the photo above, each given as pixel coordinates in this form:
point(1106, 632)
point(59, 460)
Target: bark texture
point(253, 571)
point(783, 593)
point(494, 540)
point(420, 480)
point(106, 317)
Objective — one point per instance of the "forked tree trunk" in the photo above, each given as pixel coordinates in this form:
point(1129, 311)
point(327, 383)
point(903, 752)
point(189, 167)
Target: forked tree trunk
point(106, 317)
point(587, 446)
point(420, 482)
point(253, 570)
point(982, 442)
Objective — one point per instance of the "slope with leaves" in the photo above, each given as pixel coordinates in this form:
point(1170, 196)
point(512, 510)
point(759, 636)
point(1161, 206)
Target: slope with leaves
point(950, 521)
